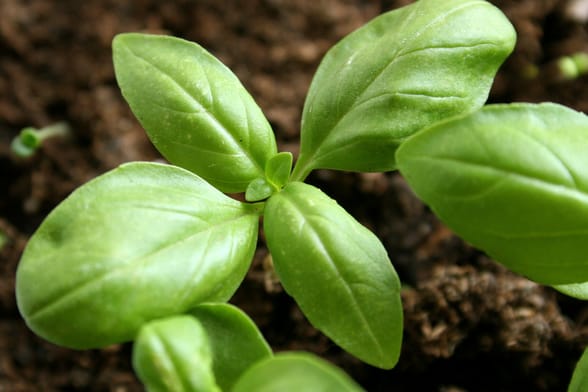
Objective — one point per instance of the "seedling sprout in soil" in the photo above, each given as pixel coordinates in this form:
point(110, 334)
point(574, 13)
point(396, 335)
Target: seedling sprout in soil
point(573, 66)
point(30, 139)
point(149, 252)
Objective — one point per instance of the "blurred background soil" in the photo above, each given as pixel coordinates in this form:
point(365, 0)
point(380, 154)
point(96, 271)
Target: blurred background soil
point(470, 325)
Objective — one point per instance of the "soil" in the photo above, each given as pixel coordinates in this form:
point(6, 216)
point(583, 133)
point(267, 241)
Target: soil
point(470, 325)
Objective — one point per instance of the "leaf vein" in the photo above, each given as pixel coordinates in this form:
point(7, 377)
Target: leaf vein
point(346, 285)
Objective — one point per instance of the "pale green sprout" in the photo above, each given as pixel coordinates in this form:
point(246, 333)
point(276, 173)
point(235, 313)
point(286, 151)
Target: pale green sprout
point(30, 139)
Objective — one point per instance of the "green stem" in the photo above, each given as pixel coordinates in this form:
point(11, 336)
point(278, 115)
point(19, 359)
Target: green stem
point(301, 170)
point(58, 129)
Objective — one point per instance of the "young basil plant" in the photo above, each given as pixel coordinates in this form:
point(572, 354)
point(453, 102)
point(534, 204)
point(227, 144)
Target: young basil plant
point(207, 349)
point(174, 354)
point(235, 341)
point(216, 347)
point(148, 242)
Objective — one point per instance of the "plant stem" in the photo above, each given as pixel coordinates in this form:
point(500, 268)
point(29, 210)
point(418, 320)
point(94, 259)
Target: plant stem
point(58, 129)
point(301, 170)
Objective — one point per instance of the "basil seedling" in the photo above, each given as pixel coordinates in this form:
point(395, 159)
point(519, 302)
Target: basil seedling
point(130, 252)
point(216, 347)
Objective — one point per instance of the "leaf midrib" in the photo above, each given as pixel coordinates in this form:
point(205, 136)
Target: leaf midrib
point(316, 239)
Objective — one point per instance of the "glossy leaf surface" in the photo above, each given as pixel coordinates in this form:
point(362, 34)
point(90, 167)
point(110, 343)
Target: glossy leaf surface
point(337, 271)
point(174, 354)
point(300, 372)
point(143, 241)
point(235, 341)
point(512, 180)
point(194, 109)
point(402, 71)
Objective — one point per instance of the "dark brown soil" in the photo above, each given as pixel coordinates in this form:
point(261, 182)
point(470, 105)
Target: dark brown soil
point(470, 324)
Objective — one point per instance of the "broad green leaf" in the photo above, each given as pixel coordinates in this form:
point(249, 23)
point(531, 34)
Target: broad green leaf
point(402, 71)
point(579, 382)
point(337, 271)
point(174, 355)
point(513, 181)
point(300, 372)
point(235, 341)
point(576, 290)
point(143, 241)
point(194, 109)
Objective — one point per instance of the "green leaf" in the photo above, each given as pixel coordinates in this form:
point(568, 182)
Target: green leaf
point(277, 170)
point(402, 71)
point(235, 341)
point(194, 109)
point(511, 180)
point(337, 271)
point(579, 382)
point(576, 290)
point(301, 372)
point(174, 354)
point(258, 189)
point(143, 241)
point(277, 174)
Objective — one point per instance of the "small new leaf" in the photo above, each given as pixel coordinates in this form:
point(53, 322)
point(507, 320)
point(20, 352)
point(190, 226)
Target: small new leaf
point(511, 180)
point(277, 169)
point(194, 109)
point(400, 72)
point(259, 189)
point(174, 354)
point(295, 372)
point(337, 271)
point(143, 241)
